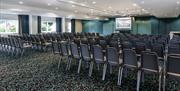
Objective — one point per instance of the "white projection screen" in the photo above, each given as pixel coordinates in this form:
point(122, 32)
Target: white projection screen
point(123, 23)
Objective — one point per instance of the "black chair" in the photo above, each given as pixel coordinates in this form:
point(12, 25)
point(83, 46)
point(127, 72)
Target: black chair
point(173, 68)
point(75, 54)
point(98, 56)
point(150, 64)
point(130, 61)
point(86, 57)
point(64, 53)
point(114, 60)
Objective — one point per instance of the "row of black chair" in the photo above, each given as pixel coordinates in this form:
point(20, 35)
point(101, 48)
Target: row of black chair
point(148, 61)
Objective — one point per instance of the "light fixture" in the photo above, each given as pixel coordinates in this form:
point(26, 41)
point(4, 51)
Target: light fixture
point(134, 4)
point(178, 2)
point(73, 6)
point(93, 2)
point(56, 8)
point(21, 2)
point(49, 4)
point(142, 2)
point(110, 7)
point(17, 10)
point(75, 11)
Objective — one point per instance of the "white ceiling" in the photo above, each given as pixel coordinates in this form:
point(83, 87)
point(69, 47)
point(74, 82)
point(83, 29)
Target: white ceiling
point(92, 9)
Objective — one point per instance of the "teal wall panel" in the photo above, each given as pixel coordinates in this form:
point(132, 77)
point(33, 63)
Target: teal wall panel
point(142, 25)
point(108, 27)
point(92, 26)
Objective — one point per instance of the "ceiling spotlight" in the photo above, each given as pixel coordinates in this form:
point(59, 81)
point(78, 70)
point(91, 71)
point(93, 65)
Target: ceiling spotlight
point(73, 6)
point(93, 2)
point(21, 2)
point(134, 5)
point(75, 11)
point(49, 4)
point(110, 7)
point(178, 2)
point(142, 2)
point(56, 8)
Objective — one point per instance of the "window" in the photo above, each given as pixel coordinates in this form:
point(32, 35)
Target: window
point(8, 26)
point(48, 26)
point(69, 27)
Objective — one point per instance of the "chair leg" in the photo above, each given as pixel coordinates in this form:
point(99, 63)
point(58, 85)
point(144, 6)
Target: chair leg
point(98, 67)
point(110, 69)
point(160, 79)
point(59, 62)
point(79, 67)
point(70, 63)
point(120, 76)
point(67, 66)
point(164, 83)
point(138, 80)
point(91, 68)
point(104, 71)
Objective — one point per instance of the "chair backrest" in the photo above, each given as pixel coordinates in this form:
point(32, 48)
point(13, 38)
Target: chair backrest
point(64, 48)
point(174, 50)
point(126, 45)
point(173, 64)
point(98, 54)
point(85, 52)
point(55, 47)
point(112, 56)
point(149, 61)
point(129, 57)
point(74, 50)
point(139, 47)
point(158, 48)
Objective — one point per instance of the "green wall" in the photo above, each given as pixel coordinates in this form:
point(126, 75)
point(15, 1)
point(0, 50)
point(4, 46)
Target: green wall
point(141, 25)
point(92, 26)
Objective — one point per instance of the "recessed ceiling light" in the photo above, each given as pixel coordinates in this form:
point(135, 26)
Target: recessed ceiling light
point(142, 2)
point(49, 4)
point(71, 2)
point(18, 10)
point(110, 7)
point(93, 2)
point(82, 4)
point(21, 2)
point(75, 11)
point(56, 8)
point(178, 2)
point(134, 4)
point(73, 6)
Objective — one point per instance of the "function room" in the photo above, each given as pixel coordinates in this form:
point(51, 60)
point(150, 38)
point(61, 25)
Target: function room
point(89, 45)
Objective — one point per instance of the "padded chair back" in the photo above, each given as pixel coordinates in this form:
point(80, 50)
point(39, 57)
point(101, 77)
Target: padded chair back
point(149, 60)
point(55, 47)
point(140, 47)
point(85, 52)
point(74, 50)
point(129, 57)
point(112, 56)
point(64, 48)
point(98, 54)
point(158, 48)
point(173, 64)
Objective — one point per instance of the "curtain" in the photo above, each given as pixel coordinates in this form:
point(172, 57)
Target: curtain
point(23, 24)
point(73, 25)
point(58, 25)
point(39, 24)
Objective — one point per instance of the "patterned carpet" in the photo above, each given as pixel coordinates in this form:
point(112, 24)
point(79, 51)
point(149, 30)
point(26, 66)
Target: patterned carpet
point(37, 71)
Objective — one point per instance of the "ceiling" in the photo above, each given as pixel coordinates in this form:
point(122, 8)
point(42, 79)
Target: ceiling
point(92, 9)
